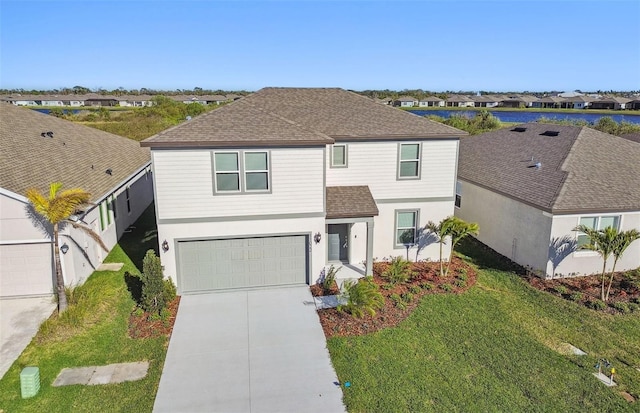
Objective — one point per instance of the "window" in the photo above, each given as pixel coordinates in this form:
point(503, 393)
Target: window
point(598, 223)
point(108, 208)
point(113, 207)
point(126, 194)
point(409, 161)
point(339, 156)
point(101, 211)
point(406, 227)
point(227, 170)
point(241, 171)
point(458, 194)
point(256, 166)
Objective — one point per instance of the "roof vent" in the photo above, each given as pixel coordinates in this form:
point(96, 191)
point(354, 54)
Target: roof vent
point(519, 129)
point(109, 171)
point(47, 134)
point(550, 133)
point(50, 134)
point(536, 165)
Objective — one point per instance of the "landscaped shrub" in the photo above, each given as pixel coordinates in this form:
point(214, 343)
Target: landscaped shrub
point(460, 283)
point(447, 287)
point(407, 297)
point(169, 290)
point(598, 305)
point(576, 296)
point(153, 299)
point(399, 270)
point(426, 285)
point(560, 289)
point(622, 307)
point(634, 308)
point(414, 289)
point(398, 301)
point(330, 279)
point(362, 297)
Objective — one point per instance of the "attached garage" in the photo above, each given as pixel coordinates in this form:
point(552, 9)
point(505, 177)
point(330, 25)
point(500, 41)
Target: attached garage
point(220, 264)
point(26, 270)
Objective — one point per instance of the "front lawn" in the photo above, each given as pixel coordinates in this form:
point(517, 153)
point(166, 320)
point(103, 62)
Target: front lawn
point(501, 346)
point(93, 333)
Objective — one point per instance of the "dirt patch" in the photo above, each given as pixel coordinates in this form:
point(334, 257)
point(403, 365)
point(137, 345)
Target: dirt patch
point(145, 325)
point(623, 298)
point(401, 299)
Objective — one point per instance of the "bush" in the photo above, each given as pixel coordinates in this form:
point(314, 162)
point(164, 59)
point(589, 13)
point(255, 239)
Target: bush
point(330, 277)
point(560, 289)
point(622, 307)
point(446, 287)
point(576, 296)
point(414, 289)
point(407, 297)
point(398, 270)
point(460, 283)
point(597, 305)
point(634, 308)
point(398, 301)
point(153, 299)
point(426, 286)
point(362, 297)
point(169, 290)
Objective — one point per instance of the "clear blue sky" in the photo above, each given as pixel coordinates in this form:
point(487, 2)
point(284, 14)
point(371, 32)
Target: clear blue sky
point(434, 45)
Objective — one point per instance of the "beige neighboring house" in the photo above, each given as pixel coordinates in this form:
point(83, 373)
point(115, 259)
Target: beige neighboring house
point(39, 149)
point(405, 102)
point(287, 181)
point(431, 101)
point(528, 187)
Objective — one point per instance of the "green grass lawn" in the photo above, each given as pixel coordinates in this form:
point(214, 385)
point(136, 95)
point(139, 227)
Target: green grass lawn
point(92, 333)
point(494, 348)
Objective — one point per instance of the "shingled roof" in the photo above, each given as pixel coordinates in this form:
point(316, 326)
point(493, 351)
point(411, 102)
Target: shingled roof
point(299, 116)
point(76, 155)
point(579, 170)
point(350, 202)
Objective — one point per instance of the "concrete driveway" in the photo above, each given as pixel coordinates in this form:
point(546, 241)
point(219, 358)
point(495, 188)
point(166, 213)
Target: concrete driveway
point(20, 319)
point(248, 351)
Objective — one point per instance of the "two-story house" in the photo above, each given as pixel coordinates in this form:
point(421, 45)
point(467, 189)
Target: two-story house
point(273, 188)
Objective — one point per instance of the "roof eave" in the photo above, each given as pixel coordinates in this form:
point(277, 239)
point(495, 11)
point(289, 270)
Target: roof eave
point(233, 144)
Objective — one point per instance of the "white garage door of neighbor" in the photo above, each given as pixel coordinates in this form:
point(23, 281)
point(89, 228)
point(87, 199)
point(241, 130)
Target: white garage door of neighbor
point(27, 269)
point(206, 265)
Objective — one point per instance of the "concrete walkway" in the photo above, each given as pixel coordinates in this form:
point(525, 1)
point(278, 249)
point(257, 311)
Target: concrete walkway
point(248, 351)
point(20, 319)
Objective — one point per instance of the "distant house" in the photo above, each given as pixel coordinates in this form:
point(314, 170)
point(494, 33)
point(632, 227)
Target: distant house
point(549, 102)
point(431, 101)
point(611, 103)
point(577, 102)
point(519, 101)
point(528, 187)
point(633, 104)
point(485, 101)
point(459, 101)
point(635, 137)
point(570, 94)
point(405, 102)
point(101, 100)
point(286, 182)
point(216, 99)
point(135, 101)
point(39, 149)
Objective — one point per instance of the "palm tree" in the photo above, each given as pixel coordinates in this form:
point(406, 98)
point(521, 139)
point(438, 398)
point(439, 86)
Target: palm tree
point(602, 241)
point(457, 230)
point(56, 209)
point(622, 242)
point(441, 231)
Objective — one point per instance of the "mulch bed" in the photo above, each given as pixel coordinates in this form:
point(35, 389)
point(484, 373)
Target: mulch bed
point(586, 290)
point(146, 326)
point(427, 281)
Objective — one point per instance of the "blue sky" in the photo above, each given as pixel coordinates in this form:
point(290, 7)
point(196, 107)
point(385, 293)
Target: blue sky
point(242, 45)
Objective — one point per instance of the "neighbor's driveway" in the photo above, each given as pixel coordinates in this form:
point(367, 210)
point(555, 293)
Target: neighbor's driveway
point(248, 351)
point(20, 319)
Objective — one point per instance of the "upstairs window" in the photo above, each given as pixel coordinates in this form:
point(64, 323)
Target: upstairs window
point(409, 161)
point(339, 156)
point(598, 223)
point(242, 171)
point(256, 165)
point(227, 167)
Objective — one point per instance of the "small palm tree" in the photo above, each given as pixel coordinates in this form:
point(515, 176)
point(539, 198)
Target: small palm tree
point(441, 231)
point(56, 209)
point(622, 242)
point(457, 230)
point(602, 241)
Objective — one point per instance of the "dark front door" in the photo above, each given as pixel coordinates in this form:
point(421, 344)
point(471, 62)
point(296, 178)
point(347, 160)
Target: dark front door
point(338, 242)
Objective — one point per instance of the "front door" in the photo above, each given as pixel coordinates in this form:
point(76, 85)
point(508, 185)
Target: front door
point(338, 242)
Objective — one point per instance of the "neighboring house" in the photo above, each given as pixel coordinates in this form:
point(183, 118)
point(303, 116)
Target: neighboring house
point(549, 102)
point(273, 188)
point(570, 94)
point(405, 102)
point(632, 136)
point(528, 187)
point(611, 103)
point(215, 99)
point(460, 101)
point(101, 100)
point(135, 101)
point(633, 104)
point(39, 149)
point(519, 101)
point(577, 102)
point(431, 101)
point(486, 101)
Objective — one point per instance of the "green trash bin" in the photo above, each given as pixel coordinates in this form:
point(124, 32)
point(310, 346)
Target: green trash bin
point(29, 382)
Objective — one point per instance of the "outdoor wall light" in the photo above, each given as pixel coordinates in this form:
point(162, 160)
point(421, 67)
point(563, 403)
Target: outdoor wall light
point(317, 237)
point(165, 246)
point(64, 248)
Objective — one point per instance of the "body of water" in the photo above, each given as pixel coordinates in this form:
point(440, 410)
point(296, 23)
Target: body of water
point(525, 117)
point(66, 111)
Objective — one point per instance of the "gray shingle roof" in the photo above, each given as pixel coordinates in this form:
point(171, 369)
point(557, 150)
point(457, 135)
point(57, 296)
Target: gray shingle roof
point(76, 155)
point(350, 202)
point(632, 136)
point(299, 116)
point(582, 170)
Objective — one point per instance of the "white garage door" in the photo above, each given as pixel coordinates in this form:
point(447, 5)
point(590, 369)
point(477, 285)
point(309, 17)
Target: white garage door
point(26, 269)
point(207, 265)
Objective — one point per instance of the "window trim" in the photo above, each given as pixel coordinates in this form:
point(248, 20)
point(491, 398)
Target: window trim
point(598, 218)
point(242, 172)
point(127, 194)
point(332, 164)
point(458, 196)
point(400, 161)
point(416, 211)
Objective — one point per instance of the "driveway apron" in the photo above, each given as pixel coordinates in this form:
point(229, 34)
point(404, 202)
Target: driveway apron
point(248, 351)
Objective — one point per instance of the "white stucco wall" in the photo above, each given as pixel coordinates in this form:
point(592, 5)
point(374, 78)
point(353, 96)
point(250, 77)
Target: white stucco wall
point(242, 228)
point(587, 262)
point(513, 229)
